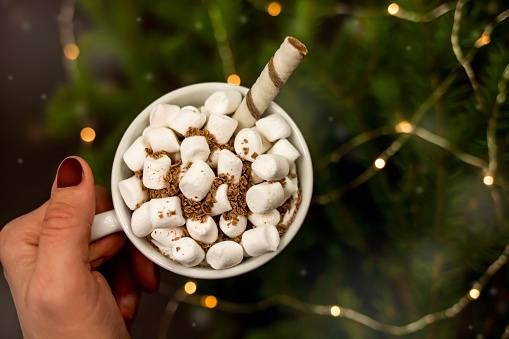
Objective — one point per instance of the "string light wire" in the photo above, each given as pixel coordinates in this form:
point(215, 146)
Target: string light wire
point(180, 295)
point(395, 10)
point(221, 36)
point(425, 17)
point(326, 310)
point(465, 63)
point(335, 156)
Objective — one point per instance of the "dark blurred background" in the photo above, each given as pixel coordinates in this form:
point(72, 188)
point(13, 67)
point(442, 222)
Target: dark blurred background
point(394, 243)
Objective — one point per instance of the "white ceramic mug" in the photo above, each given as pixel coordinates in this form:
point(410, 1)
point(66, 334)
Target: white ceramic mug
point(119, 219)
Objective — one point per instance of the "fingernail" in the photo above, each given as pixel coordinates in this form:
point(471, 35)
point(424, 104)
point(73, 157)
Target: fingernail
point(94, 264)
point(70, 173)
point(128, 305)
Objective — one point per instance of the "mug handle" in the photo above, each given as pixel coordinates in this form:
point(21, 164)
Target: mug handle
point(104, 224)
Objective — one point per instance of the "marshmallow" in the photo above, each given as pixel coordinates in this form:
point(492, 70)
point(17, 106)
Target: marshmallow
point(228, 163)
point(191, 108)
point(140, 221)
point(247, 143)
point(223, 102)
point(132, 192)
point(196, 182)
point(274, 127)
point(225, 254)
point(187, 117)
point(213, 158)
point(260, 240)
point(234, 227)
point(285, 148)
point(145, 130)
point(292, 173)
point(162, 139)
point(165, 250)
point(270, 166)
point(167, 236)
point(136, 154)
point(222, 127)
point(203, 229)
point(271, 217)
point(264, 197)
point(187, 252)
point(256, 178)
point(221, 204)
point(266, 144)
point(289, 188)
point(162, 114)
point(205, 111)
point(155, 170)
point(194, 148)
point(166, 212)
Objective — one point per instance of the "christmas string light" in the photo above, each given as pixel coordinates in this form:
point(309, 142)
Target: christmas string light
point(187, 294)
point(485, 36)
point(208, 301)
point(69, 48)
point(71, 51)
point(404, 127)
point(335, 311)
point(87, 134)
point(418, 115)
point(274, 8)
point(448, 146)
point(459, 54)
point(190, 287)
point(329, 310)
point(492, 122)
point(379, 163)
point(488, 180)
point(395, 10)
point(233, 79)
point(474, 293)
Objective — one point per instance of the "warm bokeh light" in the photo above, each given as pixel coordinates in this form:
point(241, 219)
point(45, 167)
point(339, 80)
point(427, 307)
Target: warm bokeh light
point(393, 8)
point(71, 51)
point(488, 180)
point(233, 79)
point(274, 8)
point(209, 301)
point(87, 134)
point(404, 127)
point(335, 311)
point(474, 293)
point(379, 163)
point(190, 287)
point(483, 40)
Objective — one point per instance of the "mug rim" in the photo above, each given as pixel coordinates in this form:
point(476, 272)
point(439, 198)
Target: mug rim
point(304, 170)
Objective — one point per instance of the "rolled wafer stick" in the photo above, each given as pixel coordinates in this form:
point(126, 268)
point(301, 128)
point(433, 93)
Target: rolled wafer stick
point(269, 83)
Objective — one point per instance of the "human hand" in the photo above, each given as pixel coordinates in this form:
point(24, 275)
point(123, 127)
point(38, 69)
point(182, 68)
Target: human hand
point(50, 265)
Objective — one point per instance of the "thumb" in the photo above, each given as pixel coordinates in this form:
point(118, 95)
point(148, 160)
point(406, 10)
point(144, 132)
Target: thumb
point(65, 230)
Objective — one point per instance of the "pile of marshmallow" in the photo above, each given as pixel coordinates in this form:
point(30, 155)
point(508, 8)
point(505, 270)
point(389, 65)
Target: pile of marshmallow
point(273, 172)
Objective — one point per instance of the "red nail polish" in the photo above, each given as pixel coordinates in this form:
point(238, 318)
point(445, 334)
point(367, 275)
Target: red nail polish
point(70, 173)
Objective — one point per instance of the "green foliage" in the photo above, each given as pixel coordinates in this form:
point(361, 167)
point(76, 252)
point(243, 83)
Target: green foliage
point(410, 240)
